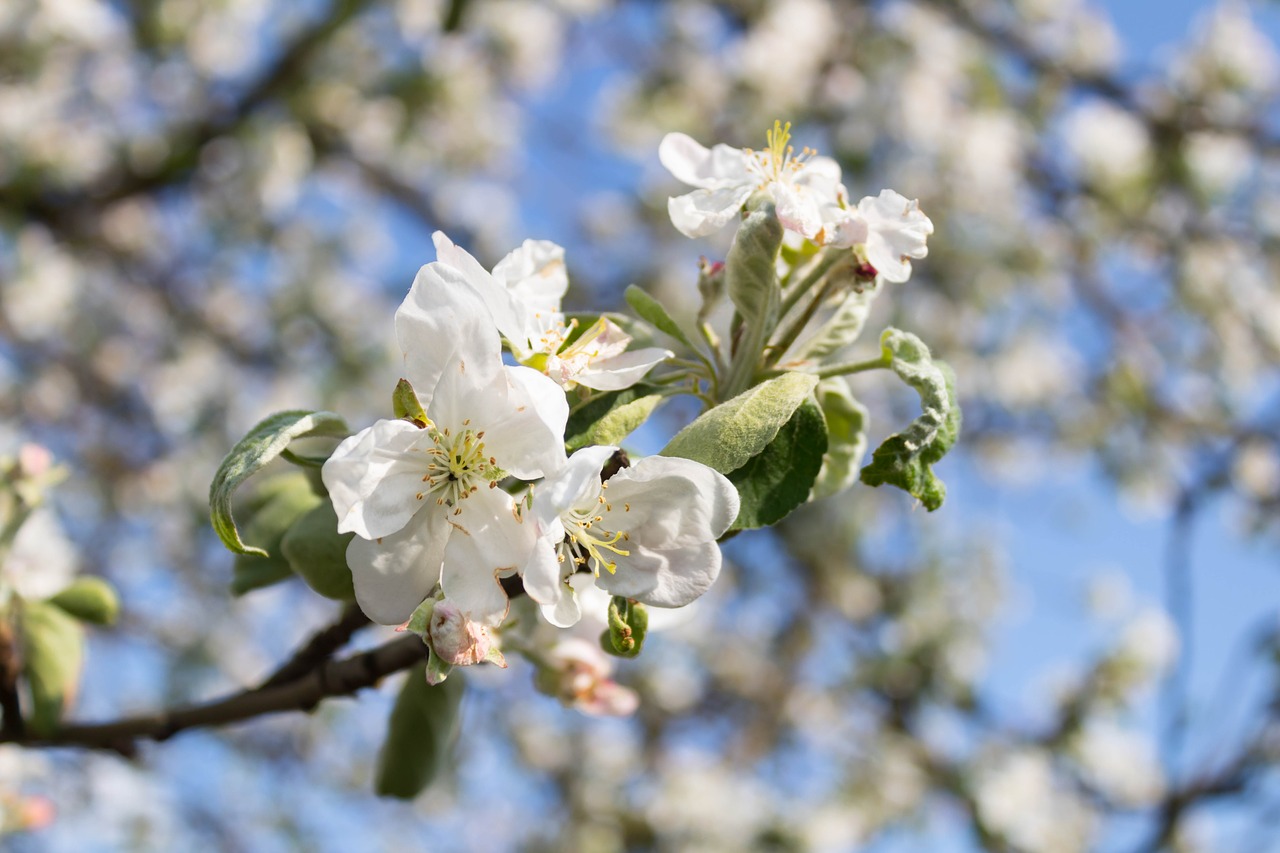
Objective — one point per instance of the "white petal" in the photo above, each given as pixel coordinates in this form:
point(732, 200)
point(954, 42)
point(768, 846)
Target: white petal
point(442, 323)
point(578, 482)
point(704, 212)
point(374, 477)
point(544, 581)
point(526, 435)
point(667, 503)
point(487, 542)
point(622, 371)
point(393, 575)
point(691, 163)
point(798, 210)
point(535, 275)
point(898, 231)
point(669, 578)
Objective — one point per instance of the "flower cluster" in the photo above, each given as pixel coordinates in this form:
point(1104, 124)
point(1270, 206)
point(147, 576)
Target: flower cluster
point(473, 487)
point(886, 231)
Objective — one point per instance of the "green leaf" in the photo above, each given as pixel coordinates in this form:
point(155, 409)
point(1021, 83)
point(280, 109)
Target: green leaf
point(89, 599)
point(317, 552)
point(628, 624)
point(611, 417)
point(906, 459)
point(846, 437)
point(262, 444)
point(728, 436)
point(781, 477)
point(420, 732)
point(287, 498)
point(842, 329)
point(53, 655)
point(653, 312)
point(751, 273)
point(405, 403)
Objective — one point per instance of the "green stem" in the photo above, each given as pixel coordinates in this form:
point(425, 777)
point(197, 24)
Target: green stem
point(776, 350)
point(823, 266)
point(854, 367)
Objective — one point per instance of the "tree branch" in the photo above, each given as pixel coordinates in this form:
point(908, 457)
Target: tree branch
point(333, 678)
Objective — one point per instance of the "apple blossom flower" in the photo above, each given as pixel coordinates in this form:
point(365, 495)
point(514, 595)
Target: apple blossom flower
point(891, 229)
point(648, 533)
point(458, 639)
point(523, 296)
point(577, 672)
point(725, 177)
point(423, 499)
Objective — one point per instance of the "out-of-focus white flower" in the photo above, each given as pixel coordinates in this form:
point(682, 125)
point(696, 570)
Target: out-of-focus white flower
point(652, 529)
point(579, 675)
point(1256, 468)
point(523, 296)
point(1107, 142)
point(41, 561)
point(423, 502)
point(1219, 162)
point(1231, 51)
point(799, 185)
point(1150, 642)
point(1121, 763)
point(1019, 796)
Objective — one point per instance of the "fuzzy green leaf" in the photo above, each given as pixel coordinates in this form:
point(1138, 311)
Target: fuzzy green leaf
point(611, 417)
point(421, 730)
point(275, 506)
point(262, 444)
point(728, 436)
point(780, 478)
point(89, 599)
point(846, 437)
point(317, 552)
point(750, 270)
point(53, 655)
point(655, 314)
point(906, 459)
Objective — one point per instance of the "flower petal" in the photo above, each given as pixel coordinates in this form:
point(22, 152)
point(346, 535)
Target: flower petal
point(488, 540)
point(667, 578)
point(693, 164)
point(394, 574)
point(546, 584)
point(898, 231)
point(578, 482)
point(526, 432)
point(668, 503)
point(621, 371)
point(374, 477)
point(706, 211)
point(441, 323)
point(535, 275)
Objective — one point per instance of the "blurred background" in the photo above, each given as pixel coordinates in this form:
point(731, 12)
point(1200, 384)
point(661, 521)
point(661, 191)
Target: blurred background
point(210, 210)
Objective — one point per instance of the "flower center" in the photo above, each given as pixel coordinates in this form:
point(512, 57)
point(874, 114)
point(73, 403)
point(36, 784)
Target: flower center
point(778, 162)
point(456, 465)
point(587, 542)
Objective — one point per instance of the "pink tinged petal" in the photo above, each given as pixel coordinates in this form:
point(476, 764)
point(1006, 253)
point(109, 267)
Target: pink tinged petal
point(442, 324)
point(622, 371)
point(576, 484)
point(898, 230)
point(394, 574)
point(668, 578)
point(458, 640)
point(535, 275)
point(609, 699)
point(526, 435)
point(798, 210)
point(706, 211)
point(375, 476)
point(666, 503)
point(693, 164)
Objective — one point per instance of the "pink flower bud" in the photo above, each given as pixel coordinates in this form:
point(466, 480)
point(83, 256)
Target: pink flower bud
point(455, 638)
point(582, 680)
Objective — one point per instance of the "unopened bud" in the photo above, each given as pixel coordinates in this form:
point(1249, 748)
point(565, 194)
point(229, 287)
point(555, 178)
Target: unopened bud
point(456, 639)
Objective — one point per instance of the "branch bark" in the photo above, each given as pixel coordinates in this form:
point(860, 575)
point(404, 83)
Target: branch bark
point(331, 679)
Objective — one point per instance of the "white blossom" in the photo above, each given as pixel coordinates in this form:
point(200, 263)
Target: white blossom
point(648, 533)
point(523, 296)
point(423, 500)
point(725, 177)
point(580, 676)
